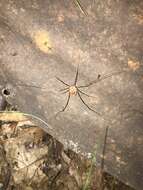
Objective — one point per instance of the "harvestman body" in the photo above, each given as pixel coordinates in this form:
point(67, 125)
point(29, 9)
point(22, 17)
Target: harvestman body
point(74, 90)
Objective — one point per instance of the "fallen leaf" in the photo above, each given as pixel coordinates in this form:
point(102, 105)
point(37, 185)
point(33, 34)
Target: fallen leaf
point(12, 116)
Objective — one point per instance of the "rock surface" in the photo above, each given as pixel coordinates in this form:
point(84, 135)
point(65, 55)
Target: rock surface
point(42, 40)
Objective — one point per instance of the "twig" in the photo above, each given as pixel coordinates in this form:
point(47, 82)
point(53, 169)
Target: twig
point(103, 158)
point(78, 3)
point(88, 179)
point(8, 174)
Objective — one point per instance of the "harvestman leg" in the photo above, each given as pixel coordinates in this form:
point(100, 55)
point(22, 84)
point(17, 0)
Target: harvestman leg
point(62, 81)
point(75, 81)
point(87, 105)
point(65, 105)
point(76, 76)
point(99, 78)
point(85, 94)
point(64, 92)
point(63, 89)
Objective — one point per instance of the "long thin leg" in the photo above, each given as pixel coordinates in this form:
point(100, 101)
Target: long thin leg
point(99, 78)
point(64, 89)
point(76, 76)
point(86, 94)
point(87, 105)
point(64, 92)
point(65, 105)
point(62, 81)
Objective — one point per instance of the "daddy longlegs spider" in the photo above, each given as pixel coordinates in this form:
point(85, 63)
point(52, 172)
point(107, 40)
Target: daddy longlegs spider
point(75, 90)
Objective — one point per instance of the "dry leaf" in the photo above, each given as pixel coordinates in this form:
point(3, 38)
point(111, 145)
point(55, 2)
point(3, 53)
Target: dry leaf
point(12, 116)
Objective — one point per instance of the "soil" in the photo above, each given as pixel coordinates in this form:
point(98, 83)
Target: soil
point(31, 159)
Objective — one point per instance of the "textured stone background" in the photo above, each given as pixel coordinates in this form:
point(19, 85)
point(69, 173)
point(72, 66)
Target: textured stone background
point(40, 40)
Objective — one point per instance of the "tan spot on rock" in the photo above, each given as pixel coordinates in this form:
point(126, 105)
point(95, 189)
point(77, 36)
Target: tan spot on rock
point(42, 41)
point(61, 18)
point(139, 18)
point(133, 65)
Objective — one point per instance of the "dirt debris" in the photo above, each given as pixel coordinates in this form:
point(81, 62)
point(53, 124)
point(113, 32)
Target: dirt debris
point(31, 159)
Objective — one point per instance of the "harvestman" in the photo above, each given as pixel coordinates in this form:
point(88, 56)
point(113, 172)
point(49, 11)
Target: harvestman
point(74, 90)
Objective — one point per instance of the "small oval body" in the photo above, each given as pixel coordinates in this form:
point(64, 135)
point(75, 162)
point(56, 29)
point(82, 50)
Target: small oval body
point(73, 90)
